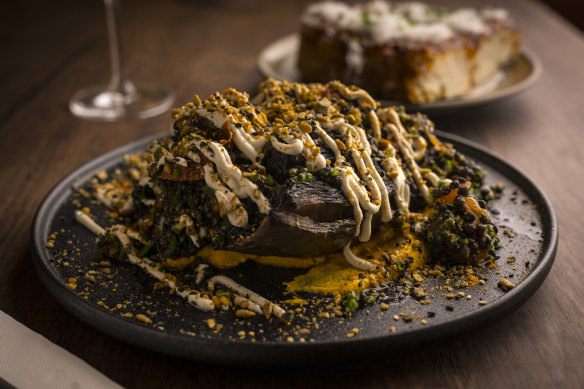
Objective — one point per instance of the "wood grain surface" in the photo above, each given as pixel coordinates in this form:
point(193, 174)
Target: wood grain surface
point(51, 49)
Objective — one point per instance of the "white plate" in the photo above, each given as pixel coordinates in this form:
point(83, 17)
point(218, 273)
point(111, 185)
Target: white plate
point(278, 60)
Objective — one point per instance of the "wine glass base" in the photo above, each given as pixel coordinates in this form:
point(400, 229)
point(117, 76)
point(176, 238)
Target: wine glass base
point(139, 102)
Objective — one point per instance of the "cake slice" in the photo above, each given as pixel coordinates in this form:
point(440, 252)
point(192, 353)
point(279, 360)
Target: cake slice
point(408, 52)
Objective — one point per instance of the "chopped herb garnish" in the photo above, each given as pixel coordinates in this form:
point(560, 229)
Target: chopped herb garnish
point(448, 165)
point(208, 192)
point(157, 153)
point(366, 19)
point(351, 302)
point(146, 248)
point(255, 178)
point(409, 18)
point(401, 266)
point(490, 231)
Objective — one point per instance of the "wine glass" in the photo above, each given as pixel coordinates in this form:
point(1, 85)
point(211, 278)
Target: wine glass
point(121, 98)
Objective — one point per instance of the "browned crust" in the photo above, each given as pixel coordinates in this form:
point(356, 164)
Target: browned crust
point(322, 56)
point(389, 68)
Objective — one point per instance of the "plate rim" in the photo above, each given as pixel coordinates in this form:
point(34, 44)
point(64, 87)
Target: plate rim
point(278, 353)
point(263, 66)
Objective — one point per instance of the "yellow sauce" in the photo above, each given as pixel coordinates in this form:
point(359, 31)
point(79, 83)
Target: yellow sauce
point(332, 273)
point(336, 275)
point(223, 259)
point(295, 301)
point(178, 263)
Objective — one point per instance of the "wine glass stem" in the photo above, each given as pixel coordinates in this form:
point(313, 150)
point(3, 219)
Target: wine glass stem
point(119, 76)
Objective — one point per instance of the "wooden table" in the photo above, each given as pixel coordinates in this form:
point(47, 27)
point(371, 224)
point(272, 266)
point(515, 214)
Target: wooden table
point(51, 49)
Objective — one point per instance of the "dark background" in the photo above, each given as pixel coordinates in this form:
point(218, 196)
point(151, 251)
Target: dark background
point(571, 10)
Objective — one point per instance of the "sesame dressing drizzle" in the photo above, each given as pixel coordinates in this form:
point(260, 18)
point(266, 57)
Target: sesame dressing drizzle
point(243, 296)
point(289, 133)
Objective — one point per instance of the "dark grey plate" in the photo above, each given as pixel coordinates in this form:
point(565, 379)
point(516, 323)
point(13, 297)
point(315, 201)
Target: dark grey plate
point(528, 236)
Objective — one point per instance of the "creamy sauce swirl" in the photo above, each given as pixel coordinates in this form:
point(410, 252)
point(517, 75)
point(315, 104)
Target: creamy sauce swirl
point(194, 297)
point(361, 182)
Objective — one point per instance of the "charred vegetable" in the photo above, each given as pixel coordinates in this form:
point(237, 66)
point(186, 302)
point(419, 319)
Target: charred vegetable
point(304, 170)
point(460, 227)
